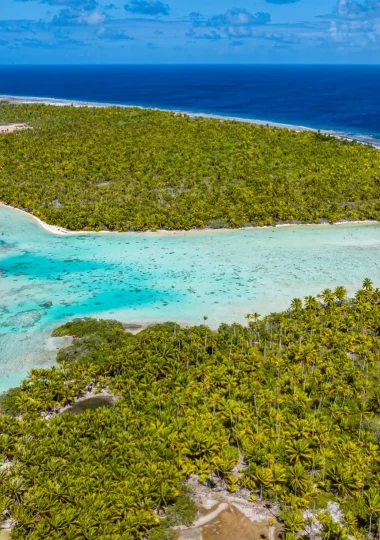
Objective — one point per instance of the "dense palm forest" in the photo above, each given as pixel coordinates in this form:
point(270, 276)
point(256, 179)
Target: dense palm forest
point(132, 169)
point(287, 407)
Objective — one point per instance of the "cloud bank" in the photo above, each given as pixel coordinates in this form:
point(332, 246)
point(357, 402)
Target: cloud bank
point(233, 24)
point(350, 26)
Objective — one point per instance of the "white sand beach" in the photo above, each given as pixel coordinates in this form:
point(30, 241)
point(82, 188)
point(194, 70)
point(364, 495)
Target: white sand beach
point(61, 231)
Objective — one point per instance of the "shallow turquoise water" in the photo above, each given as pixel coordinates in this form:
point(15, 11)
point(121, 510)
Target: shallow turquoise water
point(147, 277)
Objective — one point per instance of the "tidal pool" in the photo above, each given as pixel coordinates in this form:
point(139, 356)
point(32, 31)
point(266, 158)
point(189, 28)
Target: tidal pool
point(47, 279)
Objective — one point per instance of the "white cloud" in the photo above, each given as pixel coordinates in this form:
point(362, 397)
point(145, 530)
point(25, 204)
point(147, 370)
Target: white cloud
point(76, 16)
point(358, 9)
point(91, 17)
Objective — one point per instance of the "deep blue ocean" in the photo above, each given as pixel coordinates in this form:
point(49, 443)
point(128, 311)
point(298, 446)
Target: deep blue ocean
point(339, 98)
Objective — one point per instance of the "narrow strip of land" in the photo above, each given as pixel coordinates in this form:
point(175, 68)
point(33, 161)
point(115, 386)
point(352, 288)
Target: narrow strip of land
point(341, 135)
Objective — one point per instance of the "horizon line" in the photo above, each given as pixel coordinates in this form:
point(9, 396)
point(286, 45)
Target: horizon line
point(298, 64)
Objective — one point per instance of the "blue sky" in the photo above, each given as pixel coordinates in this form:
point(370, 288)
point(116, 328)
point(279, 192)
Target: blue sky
point(189, 31)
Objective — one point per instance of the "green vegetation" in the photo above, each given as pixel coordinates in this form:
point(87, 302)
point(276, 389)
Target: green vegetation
point(132, 169)
point(292, 401)
point(182, 512)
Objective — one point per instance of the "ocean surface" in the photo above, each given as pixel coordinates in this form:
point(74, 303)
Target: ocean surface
point(47, 279)
point(338, 98)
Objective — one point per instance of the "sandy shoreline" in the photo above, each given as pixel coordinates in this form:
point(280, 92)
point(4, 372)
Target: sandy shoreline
point(363, 139)
point(61, 231)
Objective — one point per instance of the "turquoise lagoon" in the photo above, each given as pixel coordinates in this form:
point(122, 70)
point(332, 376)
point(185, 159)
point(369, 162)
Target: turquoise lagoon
point(47, 279)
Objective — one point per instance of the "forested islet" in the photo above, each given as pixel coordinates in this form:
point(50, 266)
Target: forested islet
point(114, 168)
point(286, 407)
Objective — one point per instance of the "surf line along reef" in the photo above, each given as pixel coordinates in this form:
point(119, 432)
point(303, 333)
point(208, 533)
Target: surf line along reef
point(125, 169)
point(284, 411)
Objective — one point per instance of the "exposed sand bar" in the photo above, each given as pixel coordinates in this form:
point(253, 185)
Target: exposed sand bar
point(364, 139)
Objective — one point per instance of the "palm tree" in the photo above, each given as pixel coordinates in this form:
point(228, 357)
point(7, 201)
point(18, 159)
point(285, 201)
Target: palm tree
point(340, 294)
point(372, 501)
point(263, 477)
point(293, 521)
point(367, 284)
point(296, 304)
point(343, 480)
point(299, 451)
point(298, 478)
point(328, 296)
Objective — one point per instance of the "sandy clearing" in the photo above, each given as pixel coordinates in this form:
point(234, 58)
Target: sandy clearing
point(11, 128)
